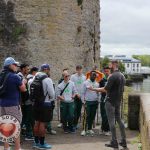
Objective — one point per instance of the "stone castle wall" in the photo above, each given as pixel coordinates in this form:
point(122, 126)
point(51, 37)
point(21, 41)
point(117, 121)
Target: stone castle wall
point(63, 33)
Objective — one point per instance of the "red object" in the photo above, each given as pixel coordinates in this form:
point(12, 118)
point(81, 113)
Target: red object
point(7, 129)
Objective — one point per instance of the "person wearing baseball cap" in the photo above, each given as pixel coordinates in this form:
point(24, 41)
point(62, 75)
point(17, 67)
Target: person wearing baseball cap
point(10, 61)
point(42, 111)
point(10, 98)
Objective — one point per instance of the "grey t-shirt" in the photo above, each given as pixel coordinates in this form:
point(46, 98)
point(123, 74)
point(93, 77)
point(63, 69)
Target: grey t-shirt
point(115, 87)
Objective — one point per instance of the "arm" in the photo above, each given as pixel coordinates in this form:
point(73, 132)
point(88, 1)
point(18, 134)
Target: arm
point(97, 89)
point(23, 88)
point(58, 91)
point(20, 83)
point(50, 88)
point(83, 92)
point(74, 91)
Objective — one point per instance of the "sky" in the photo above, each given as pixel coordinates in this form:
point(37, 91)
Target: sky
point(125, 27)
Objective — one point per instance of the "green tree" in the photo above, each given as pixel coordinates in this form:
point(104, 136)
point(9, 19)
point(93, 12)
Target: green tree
point(121, 66)
point(145, 59)
point(104, 62)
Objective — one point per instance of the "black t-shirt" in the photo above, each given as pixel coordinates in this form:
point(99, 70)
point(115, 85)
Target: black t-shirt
point(115, 87)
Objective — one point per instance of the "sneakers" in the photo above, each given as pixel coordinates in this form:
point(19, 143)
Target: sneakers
point(60, 125)
point(123, 143)
point(29, 138)
point(66, 131)
point(72, 130)
point(36, 145)
point(83, 133)
point(112, 144)
point(45, 146)
point(52, 132)
point(107, 133)
point(90, 132)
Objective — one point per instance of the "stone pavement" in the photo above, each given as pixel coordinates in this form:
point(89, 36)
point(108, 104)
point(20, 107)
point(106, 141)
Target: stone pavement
point(63, 141)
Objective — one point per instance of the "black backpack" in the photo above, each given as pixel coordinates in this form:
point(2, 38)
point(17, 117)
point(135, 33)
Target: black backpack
point(36, 90)
point(3, 79)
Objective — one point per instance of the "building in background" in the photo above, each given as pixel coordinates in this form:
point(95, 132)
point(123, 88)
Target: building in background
point(132, 66)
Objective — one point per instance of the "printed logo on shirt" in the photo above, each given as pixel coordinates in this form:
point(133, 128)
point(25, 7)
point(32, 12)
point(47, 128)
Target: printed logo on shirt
point(9, 128)
point(67, 91)
point(79, 82)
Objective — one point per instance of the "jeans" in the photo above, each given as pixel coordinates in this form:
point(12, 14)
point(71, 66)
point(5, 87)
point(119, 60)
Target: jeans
point(113, 114)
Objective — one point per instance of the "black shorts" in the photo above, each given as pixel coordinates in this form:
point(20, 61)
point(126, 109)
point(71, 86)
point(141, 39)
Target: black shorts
point(42, 113)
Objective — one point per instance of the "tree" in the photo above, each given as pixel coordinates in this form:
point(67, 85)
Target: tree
point(104, 62)
point(121, 66)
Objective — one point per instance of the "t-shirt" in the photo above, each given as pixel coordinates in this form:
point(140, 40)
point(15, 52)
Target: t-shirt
point(12, 95)
point(115, 87)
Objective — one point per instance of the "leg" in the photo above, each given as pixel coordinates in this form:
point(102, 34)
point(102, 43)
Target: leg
point(36, 131)
point(121, 126)
point(77, 111)
point(93, 113)
point(71, 116)
point(105, 124)
point(88, 117)
point(110, 110)
point(29, 121)
point(64, 114)
point(17, 143)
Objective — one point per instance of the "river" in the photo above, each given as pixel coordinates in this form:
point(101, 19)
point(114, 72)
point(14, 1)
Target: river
point(143, 87)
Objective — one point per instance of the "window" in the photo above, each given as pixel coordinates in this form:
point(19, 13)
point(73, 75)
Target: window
point(133, 69)
point(137, 65)
point(133, 65)
point(127, 65)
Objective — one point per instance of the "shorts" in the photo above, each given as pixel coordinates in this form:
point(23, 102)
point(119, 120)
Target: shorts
point(14, 111)
point(42, 114)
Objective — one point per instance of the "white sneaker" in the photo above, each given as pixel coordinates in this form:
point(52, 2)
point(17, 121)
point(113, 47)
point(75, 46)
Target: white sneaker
point(91, 132)
point(53, 132)
point(107, 133)
point(83, 133)
point(101, 132)
point(59, 125)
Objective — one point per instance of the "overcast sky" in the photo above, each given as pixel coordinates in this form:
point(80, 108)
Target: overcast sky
point(125, 27)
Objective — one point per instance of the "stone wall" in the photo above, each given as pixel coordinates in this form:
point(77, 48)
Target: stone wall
point(60, 32)
point(139, 117)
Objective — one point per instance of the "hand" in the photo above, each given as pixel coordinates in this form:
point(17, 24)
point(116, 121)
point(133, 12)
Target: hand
point(61, 97)
point(24, 81)
point(83, 102)
point(90, 87)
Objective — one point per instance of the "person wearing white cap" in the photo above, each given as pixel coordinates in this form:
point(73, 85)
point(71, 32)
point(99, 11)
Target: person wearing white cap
point(10, 94)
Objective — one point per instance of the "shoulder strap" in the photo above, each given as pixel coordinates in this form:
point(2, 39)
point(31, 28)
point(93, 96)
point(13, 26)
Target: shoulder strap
point(64, 88)
point(4, 80)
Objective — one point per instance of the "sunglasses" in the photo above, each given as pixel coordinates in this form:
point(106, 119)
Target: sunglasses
point(15, 65)
point(67, 76)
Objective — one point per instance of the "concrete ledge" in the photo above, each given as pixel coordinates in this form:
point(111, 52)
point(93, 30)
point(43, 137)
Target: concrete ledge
point(139, 116)
point(145, 121)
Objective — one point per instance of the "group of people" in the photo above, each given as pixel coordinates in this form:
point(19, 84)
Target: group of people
point(30, 96)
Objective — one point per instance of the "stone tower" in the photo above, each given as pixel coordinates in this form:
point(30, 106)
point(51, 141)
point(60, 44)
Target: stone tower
point(63, 33)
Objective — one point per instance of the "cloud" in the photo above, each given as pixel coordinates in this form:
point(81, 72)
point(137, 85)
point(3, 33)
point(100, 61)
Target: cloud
point(125, 25)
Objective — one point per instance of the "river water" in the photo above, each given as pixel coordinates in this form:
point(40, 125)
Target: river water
point(143, 87)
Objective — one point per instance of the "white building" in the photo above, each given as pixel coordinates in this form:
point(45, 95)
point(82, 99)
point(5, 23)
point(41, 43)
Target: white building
point(132, 65)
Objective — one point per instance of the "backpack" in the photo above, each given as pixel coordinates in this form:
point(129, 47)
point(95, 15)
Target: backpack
point(36, 90)
point(24, 95)
point(3, 79)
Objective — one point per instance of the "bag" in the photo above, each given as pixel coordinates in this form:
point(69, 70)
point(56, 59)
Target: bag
point(3, 79)
point(36, 90)
point(64, 89)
